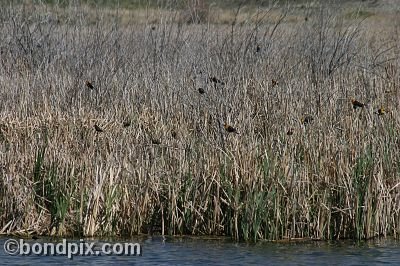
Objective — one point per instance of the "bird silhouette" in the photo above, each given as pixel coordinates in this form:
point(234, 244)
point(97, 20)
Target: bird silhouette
point(216, 81)
point(201, 90)
point(230, 129)
point(174, 134)
point(381, 111)
point(98, 129)
point(126, 123)
point(89, 85)
point(155, 141)
point(356, 104)
point(307, 119)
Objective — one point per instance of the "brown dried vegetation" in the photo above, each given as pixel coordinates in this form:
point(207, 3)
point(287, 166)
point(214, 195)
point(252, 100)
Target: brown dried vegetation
point(173, 168)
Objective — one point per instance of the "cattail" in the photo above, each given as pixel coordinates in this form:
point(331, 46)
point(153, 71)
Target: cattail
point(230, 129)
point(98, 129)
point(89, 85)
point(356, 104)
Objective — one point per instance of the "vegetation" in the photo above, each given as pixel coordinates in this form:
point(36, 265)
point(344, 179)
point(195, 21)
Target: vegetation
point(264, 127)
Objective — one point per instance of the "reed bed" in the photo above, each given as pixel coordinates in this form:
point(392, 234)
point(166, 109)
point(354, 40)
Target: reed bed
point(303, 163)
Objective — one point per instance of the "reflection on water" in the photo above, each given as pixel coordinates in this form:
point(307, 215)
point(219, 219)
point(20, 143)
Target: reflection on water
point(200, 251)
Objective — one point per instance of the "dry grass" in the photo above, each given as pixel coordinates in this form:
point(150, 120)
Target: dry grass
point(164, 162)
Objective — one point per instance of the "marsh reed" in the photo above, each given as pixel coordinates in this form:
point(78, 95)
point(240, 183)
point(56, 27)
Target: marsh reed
point(144, 150)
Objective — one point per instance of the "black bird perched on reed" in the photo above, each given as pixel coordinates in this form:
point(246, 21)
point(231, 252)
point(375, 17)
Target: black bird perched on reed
point(201, 90)
point(307, 119)
point(89, 85)
point(217, 81)
point(126, 123)
point(356, 104)
point(97, 128)
point(155, 141)
point(230, 129)
point(174, 134)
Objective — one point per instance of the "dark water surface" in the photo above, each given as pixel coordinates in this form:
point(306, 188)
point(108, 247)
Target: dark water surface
point(199, 251)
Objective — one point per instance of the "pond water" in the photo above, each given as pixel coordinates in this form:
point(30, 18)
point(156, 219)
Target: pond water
point(202, 251)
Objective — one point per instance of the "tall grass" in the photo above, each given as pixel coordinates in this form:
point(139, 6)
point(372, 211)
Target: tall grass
point(174, 169)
